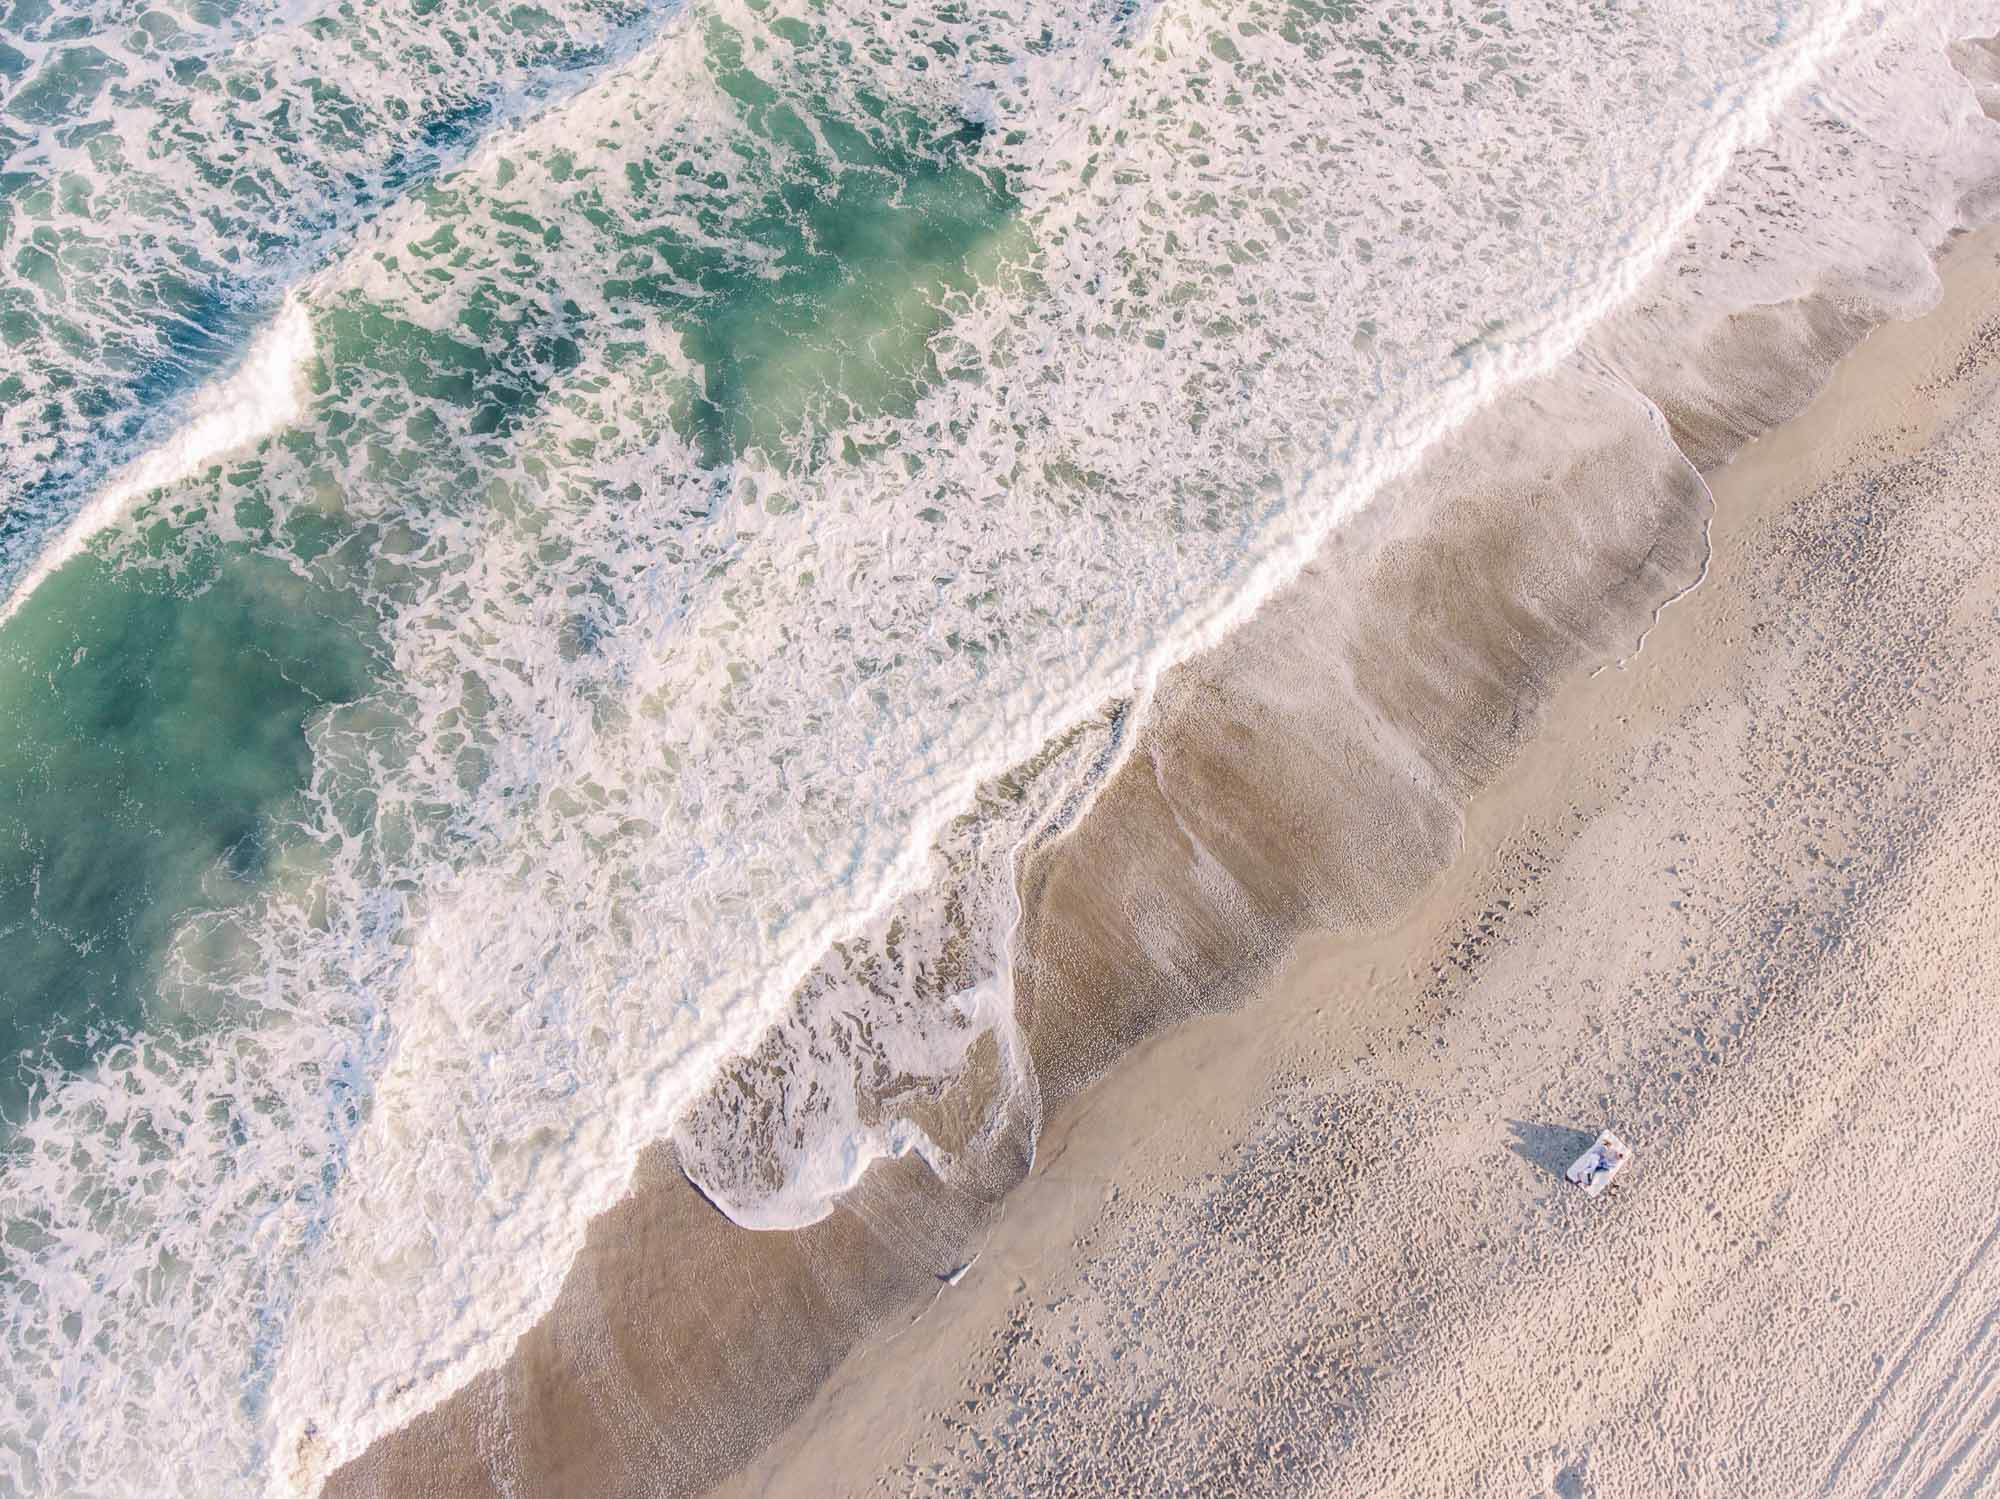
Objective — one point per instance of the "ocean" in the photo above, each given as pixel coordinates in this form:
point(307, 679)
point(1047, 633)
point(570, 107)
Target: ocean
point(558, 557)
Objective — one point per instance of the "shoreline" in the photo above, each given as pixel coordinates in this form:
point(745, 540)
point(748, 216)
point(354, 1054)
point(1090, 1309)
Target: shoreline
point(612, 1383)
point(835, 591)
point(1381, 1003)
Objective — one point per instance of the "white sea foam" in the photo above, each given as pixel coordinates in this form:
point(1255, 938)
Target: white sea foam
point(262, 395)
point(657, 733)
point(174, 165)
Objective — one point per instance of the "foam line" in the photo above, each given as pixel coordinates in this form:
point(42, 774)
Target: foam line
point(262, 395)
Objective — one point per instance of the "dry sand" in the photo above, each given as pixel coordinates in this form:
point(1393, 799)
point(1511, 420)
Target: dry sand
point(1740, 899)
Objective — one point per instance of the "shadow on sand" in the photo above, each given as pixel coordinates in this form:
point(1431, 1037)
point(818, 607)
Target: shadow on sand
point(1549, 1146)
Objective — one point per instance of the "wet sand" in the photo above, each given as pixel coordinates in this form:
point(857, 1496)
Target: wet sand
point(1392, 905)
point(1739, 898)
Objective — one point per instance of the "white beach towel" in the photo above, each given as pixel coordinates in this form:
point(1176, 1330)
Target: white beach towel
point(1599, 1166)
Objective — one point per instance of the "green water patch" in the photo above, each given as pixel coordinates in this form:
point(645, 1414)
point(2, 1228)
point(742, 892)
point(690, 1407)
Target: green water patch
point(851, 233)
point(801, 259)
point(152, 744)
point(153, 741)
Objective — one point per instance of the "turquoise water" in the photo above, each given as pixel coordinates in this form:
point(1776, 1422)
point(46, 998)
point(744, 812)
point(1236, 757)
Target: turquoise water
point(152, 753)
point(163, 692)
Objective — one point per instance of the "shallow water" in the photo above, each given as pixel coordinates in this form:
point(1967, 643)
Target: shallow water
point(152, 752)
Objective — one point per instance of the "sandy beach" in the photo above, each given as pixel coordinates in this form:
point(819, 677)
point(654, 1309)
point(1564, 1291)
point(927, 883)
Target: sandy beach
point(1295, 1221)
point(1737, 899)
point(788, 748)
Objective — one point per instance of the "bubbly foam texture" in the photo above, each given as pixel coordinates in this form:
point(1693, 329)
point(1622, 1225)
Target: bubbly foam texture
point(746, 462)
point(262, 396)
point(174, 169)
